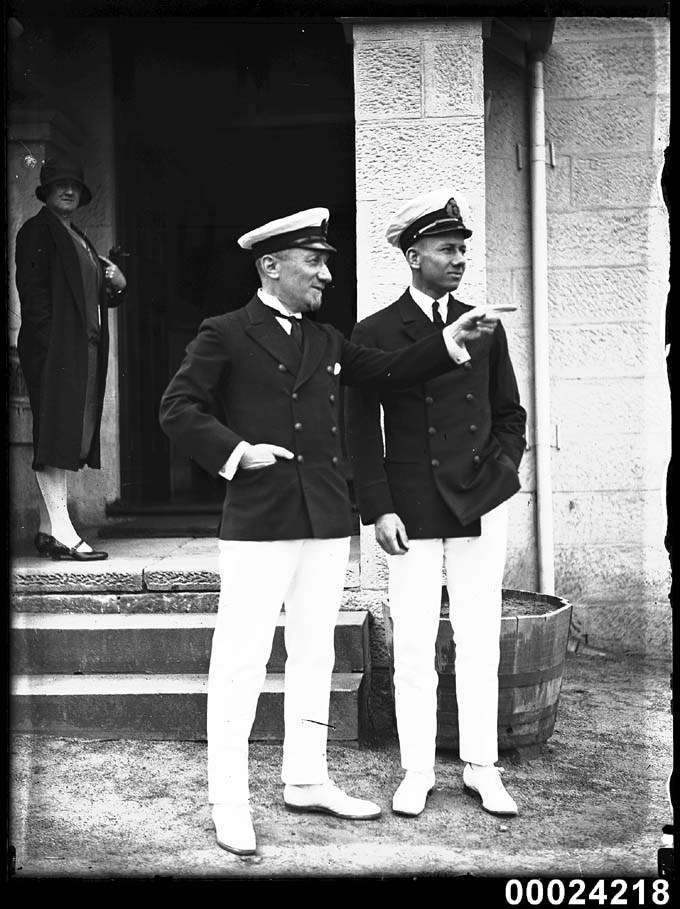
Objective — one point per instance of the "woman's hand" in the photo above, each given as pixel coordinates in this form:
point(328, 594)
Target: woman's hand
point(113, 275)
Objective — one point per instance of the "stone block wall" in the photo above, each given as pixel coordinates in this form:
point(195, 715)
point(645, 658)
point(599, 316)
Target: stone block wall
point(419, 110)
point(73, 110)
point(607, 114)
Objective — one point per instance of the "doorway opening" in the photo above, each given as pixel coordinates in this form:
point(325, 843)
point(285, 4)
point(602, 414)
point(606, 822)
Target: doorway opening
point(221, 125)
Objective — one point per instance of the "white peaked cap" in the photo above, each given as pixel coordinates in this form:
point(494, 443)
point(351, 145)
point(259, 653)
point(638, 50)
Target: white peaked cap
point(305, 229)
point(434, 212)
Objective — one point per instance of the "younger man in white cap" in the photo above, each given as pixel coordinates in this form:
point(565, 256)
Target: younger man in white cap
point(256, 400)
point(453, 444)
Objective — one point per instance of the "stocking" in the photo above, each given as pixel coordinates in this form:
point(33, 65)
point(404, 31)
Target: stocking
point(52, 485)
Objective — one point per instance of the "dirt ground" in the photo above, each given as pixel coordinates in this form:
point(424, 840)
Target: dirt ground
point(592, 800)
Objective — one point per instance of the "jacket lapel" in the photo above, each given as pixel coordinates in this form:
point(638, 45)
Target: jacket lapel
point(263, 328)
point(414, 321)
point(69, 258)
point(456, 309)
point(316, 341)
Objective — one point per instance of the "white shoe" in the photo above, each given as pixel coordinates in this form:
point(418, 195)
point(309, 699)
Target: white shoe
point(486, 782)
point(412, 793)
point(327, 797)
point(234, 828)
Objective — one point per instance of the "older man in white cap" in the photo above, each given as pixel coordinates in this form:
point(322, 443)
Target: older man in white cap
point(256, 401)
point(437, 495)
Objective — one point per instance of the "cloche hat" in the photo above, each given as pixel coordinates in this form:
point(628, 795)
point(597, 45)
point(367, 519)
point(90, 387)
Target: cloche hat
point(62, 167)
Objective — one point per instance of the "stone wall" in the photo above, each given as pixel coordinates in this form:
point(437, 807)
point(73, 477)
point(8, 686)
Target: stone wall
point(607, 105)
point(69, 103)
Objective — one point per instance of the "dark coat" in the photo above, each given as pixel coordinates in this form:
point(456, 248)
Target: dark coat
point(52, 344)
point(243, 378)
point(453, 444)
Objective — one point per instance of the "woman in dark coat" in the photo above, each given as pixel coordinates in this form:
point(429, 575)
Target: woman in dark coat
point(65, 291)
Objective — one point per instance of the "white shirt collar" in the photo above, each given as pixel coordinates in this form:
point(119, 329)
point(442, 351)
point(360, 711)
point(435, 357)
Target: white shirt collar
point(275, 303)
point(425, 303)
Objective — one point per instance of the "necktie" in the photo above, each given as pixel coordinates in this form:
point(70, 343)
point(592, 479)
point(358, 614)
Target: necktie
point(436, 315)
point(295, 328)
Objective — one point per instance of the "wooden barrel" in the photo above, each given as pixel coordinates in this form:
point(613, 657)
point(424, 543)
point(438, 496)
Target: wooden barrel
point(534, 634)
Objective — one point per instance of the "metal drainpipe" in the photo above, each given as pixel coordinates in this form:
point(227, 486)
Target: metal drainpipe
point(539, 253)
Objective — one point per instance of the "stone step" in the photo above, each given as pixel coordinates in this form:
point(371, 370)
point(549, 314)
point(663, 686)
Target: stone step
point(196, 601)
point(137, 566)
point(151, 643)
point(161, 706)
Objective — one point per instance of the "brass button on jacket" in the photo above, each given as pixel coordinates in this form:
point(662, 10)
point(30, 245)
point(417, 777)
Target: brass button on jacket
point(300, 459)
point(282, 368)
point(334, 430)
point(476, 459)
point(473, 428)
point(297, 427)
point(434, 462)
point(469, 396)
point(432, 431)
point(294, 396)
point(429, 400)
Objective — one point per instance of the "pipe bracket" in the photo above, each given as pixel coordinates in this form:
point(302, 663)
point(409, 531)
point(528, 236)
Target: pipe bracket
point(521, 151)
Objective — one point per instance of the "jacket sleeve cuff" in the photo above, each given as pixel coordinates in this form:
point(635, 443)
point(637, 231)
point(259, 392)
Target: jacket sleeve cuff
point(232, 462)
point(457, 352)
point(374, 500)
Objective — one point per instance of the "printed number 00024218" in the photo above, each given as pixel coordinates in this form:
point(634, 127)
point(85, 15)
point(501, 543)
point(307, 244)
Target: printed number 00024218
point(577, 892)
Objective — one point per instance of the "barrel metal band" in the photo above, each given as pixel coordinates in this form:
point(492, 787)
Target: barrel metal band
point(522, 679)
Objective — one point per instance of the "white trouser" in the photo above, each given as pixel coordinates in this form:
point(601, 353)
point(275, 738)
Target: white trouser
point(256, 579)
point(474, 571)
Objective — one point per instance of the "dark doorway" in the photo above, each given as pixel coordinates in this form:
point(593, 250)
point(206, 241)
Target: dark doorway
point(221, 125)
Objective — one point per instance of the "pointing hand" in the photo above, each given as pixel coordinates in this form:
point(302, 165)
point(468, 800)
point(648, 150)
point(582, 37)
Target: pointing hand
point(481, 320)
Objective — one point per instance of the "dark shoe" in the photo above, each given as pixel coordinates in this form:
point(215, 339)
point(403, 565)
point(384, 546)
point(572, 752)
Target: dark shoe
point(59, 551)
point(44, 543)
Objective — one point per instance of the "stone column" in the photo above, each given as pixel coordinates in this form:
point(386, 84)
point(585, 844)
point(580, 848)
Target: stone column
point(419, 109)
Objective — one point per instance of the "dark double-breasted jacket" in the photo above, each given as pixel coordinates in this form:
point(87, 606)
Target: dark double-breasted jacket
point(452, 444)
point(53, 342)
point(243, 378)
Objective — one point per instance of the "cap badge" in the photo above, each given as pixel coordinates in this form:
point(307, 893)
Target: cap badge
point(452, 209)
